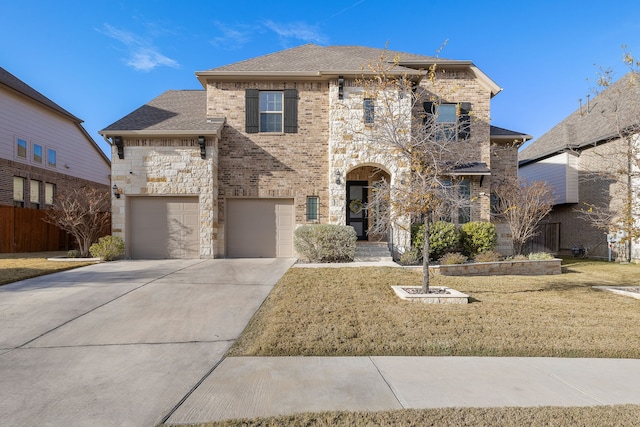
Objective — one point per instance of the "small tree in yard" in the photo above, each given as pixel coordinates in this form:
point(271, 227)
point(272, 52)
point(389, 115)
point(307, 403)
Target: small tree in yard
point(615, 207)
point(82, 212)
point(523, 205)
point(404, 129)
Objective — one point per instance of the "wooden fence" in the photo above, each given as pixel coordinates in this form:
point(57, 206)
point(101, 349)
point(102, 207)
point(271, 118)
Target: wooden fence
point(546, 240)
point(23, 230)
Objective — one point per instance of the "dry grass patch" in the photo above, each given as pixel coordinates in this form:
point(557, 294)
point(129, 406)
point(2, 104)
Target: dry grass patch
point(621, 415)
point(15, 267)
point(354, 312)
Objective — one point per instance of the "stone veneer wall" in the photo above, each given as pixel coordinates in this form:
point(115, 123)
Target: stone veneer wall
point(269, 165)
point(168, 167)
point(502, 268)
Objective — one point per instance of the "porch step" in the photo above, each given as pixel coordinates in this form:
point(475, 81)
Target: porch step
point(372, 252)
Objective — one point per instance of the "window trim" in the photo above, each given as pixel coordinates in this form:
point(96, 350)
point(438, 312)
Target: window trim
point(22, 182)
point(34, 200)
point(49, 199)
point(33, 153)
point(462, 126)
point(269, 112)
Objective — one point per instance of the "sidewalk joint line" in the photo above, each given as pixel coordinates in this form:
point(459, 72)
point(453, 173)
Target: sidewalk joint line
point(387, 382)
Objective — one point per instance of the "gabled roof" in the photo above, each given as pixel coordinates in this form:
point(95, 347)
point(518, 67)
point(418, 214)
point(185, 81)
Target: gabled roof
point(12, 82)
point(175, 112)
point(311, 61)
point(594, 122)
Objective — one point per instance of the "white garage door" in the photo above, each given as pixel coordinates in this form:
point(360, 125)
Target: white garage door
point(164, 227)
point(259, 228)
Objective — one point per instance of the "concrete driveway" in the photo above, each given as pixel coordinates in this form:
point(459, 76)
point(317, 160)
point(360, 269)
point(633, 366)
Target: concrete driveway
point(121, 343)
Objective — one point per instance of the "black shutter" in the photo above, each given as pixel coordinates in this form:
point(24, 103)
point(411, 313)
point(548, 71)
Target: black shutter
point(290, 111)
point(252, 110)
point(429, 110)
point(464, 121)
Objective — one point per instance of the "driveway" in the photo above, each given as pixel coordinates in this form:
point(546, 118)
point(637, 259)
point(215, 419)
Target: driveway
point(122, 343)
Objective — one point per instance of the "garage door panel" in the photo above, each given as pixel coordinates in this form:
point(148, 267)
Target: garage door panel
point(259, 228)
point(164, 227)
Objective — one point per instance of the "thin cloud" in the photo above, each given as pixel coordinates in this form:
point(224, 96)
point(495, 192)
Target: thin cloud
point(297, 30)
point(141, 54)
point(232, 38)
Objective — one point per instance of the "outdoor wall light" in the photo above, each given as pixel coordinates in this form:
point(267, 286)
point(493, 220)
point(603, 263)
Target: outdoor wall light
point(115, 191)
point(338, 175)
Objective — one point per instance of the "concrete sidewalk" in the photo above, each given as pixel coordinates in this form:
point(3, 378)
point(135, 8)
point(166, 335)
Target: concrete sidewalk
point(247, 387)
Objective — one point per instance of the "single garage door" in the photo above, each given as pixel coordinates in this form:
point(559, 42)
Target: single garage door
point(259, 228)
point(164, 227)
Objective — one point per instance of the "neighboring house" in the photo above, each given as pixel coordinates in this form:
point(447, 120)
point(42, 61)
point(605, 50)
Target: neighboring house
point(584, 158)
point(44, 150)
point(232, 170)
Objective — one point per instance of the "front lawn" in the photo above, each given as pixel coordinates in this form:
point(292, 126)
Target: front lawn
point(354, 312)
point(15, 267)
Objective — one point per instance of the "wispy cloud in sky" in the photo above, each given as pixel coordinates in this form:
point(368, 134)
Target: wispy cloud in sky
point(298, 31)
point(232, 37)
point(141, 54)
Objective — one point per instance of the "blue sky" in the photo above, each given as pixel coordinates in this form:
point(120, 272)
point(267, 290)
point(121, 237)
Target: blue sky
point(100, 60)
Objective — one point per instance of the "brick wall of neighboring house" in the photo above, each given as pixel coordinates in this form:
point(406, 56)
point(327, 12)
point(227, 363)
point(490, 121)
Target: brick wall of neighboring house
point(10, 169)
point(287, 165)
point(599, 186)
point(168, 167)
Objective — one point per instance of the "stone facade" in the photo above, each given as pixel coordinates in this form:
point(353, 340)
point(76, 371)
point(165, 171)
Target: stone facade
point(168, 167)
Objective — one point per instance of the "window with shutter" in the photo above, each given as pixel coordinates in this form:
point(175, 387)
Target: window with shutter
point(271, 111)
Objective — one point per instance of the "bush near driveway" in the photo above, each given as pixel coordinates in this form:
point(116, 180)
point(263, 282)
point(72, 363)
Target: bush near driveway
point(354, 312)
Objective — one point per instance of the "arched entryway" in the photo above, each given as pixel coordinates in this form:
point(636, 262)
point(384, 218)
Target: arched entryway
point(362, 212)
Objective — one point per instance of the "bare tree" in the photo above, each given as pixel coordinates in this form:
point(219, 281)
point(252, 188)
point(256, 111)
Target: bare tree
point(403, 129)
point(83, 213)
point(615, 207)
point(523, 205)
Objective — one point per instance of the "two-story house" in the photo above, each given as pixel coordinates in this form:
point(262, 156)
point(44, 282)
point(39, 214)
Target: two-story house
point(232, 170)
point(591, 159)
point(44, 150)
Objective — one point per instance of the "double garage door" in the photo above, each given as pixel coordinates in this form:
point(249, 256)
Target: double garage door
point(259, 228)
point(169, 227)
point(164, 227)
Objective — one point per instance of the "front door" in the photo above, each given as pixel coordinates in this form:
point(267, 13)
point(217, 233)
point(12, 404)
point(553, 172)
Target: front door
point(356, 212)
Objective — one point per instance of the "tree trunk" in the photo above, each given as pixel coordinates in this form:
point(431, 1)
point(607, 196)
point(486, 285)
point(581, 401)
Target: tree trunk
point(425, 257)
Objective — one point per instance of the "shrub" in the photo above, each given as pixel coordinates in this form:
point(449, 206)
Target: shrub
point(540, 256)
point(488, 256)
point(107, 248)
point(453, 258)
point(444, 237)
point(326, 242)
point(73, 253)
point(478, 236)
point(410, 257)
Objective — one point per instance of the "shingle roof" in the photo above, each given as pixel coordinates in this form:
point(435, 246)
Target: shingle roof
point(594, 122)
point(11, 81)
point(174, 110)
point(314, 58)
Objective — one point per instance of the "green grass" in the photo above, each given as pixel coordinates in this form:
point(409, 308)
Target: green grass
point(354, 312)
point(16, 267)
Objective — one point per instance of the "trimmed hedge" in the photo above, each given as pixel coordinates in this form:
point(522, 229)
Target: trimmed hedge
point(444, 237)
point(477, 237)
point(326, 242)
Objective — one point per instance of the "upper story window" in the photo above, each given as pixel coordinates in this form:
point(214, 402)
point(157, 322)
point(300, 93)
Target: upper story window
point(451, 121)
point(37, 153)
point(271, 111)
point(52, 160)
point(21, 148)
point(369, 111)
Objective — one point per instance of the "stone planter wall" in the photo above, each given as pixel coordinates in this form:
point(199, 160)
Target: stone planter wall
point(502, 268)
